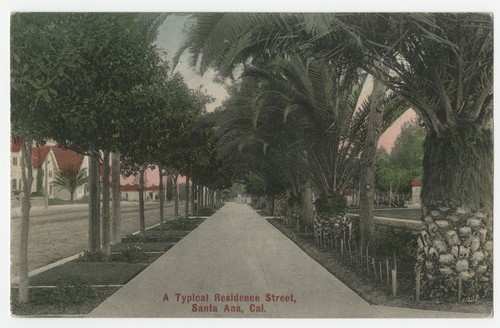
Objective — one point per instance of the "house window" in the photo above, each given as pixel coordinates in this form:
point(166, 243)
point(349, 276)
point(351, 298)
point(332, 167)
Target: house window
point(14, 184)
point(14, 161)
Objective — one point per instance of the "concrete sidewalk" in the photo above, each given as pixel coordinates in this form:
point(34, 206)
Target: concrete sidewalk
point(236, 251)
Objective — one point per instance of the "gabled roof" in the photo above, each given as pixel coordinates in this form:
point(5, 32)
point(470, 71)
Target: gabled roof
point(135, 187)
point(15, 145)
point(129, 187)
point(67, 160)
point(38, 155)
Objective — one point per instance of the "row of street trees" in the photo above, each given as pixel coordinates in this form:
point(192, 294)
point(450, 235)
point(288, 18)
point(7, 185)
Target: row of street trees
point(96, 84)
point(294, 111)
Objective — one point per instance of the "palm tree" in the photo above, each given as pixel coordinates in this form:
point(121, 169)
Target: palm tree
point(226, 40)
point(440, 64)
point(70, 179)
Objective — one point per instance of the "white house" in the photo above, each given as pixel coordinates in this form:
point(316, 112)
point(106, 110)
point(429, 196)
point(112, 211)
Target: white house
point(49, 159)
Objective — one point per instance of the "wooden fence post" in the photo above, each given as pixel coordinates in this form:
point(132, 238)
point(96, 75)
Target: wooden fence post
point(417, 285)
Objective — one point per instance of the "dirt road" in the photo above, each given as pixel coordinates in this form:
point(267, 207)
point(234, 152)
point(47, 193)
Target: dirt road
point(62, 231)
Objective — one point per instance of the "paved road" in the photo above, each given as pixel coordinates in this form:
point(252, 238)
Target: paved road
point(62, 230)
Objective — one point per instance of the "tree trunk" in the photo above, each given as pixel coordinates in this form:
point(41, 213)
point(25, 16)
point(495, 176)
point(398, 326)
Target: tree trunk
point(46, 191)
point(458, 168)
point(142, 218)
point(205, 191)
point(176, 196)
point(94, 211)
point(161, 194)
point(390, 196)
point(116, 222)
point(194, 197)
point(457, 198)
point(106, 212)
point(27, 177)
point(187, 197)
point(367, 180)
point(307, 202)
point(199, 195)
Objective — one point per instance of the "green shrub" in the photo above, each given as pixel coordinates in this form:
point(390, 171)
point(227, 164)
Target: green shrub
point(73, 289)
point(402, 243)
point(133, 254)
point(178, 224)
point(331, 204)
point(89, 256)
point(206, 211)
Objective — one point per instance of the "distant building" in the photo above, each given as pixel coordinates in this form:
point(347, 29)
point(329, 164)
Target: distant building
point(416, 188)
point(130, 192)
point(50, 160)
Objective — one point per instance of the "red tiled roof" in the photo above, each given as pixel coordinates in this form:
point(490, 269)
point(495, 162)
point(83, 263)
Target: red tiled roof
point(152, 187)
point(416, 183)
point(135, 187)
point(15, 145)
point(38, 155)
point(129, 187)
point(67, 160)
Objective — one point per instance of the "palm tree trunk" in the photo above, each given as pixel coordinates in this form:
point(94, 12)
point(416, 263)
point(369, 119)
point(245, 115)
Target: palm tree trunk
point(161, 194)
point(367, 181)
point(142, 218)
point(106, 211)
point(27, 177)
point(468, 177)
point(94, 211)
point(115, 181)
point(457, 198)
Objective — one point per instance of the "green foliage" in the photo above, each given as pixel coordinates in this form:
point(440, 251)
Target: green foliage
point(89, 256)
point(39, 182)
point(73, 289)
point(132, 254)
point(401, 244)
point(70, 179)
point(206, 211)
point(331, 205)
point(394, 171)
point(255, 185)
point(179, 224)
